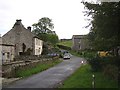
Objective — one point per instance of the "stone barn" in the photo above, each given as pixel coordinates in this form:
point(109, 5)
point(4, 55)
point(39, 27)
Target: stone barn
point(80, 42)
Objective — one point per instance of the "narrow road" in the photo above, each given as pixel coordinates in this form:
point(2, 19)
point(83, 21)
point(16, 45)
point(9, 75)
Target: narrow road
point(50, 78)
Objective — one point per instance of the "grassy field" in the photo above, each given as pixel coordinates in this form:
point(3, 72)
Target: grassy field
point(82, 78)
point(37, 69)
point(66, 43)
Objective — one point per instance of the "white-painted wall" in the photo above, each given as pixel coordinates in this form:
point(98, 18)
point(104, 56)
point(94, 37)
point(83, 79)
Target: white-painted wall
point(38, 46)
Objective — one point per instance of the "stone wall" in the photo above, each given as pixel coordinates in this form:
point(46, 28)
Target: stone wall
point(7, 53)
point(31, 57)
point(0, 51)
point(8, 69)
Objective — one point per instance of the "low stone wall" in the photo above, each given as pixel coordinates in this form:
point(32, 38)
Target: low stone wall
point(9, 69)
point(32, 57)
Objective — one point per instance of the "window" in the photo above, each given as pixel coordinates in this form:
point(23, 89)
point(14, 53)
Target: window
point(3, 53)
point(79, 41)
point(39, 50)
point(8, 55)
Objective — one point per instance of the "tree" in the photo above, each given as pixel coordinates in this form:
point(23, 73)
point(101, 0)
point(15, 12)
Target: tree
point(51, 38)
point(104, 33)
point(43, 29)
point(44, 25)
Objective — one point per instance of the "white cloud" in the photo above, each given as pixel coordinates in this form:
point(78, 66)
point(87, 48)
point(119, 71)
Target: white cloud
point(67, 15)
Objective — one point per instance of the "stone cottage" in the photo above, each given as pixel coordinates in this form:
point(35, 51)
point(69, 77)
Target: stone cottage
point(7, 52)
point(80, 42)
point(23, 40)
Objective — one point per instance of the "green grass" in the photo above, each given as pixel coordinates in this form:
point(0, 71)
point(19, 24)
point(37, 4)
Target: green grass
point(84, 54)
point(66, 43)
point(37, 69)
point(82, 78)
point(74, 53)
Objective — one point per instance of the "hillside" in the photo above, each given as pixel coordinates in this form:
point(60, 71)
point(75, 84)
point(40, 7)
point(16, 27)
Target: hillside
point(67, 43)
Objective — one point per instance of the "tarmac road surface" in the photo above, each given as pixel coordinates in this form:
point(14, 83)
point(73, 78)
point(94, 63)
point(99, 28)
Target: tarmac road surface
point(49, 78)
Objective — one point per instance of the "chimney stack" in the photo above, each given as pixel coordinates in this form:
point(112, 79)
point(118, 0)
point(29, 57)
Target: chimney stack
point(18, 21)
point(29, 28)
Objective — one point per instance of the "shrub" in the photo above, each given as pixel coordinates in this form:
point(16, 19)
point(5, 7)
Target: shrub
point(95, 64)
point(99, 63)
point(64, 47)
point(111, 71)
point(88, 54)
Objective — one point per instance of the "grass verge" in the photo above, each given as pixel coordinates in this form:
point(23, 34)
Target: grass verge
point(74, 53)
point(82, 78)
point(38, 68)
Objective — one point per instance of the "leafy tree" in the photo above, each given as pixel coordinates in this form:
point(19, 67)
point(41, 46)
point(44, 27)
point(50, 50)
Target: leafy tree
point(104, 33)
point(43, 29)
point(44, 25)
point(52, 38)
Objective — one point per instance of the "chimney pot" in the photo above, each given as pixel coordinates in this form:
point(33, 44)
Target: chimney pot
point(29, 28)
point(18, 20)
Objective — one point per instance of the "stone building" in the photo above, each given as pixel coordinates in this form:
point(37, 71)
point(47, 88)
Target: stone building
point(80, 42)
point(0, 50)
point(23, 40)
point(7, 52)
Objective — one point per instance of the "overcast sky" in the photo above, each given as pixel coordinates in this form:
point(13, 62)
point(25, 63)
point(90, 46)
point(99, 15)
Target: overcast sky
point(67, 15)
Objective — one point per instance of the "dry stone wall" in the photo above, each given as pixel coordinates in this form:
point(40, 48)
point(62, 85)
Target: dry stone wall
point(8, 69)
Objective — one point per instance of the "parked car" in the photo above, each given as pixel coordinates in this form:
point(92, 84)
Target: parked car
point(53, 54)
point(66, 56)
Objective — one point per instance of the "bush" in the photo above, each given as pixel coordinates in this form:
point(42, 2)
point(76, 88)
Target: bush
point(110, 60)
point(108, 65)
point(88, 54)
point(95, 64)
point(111, 71)
point(64, 47)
